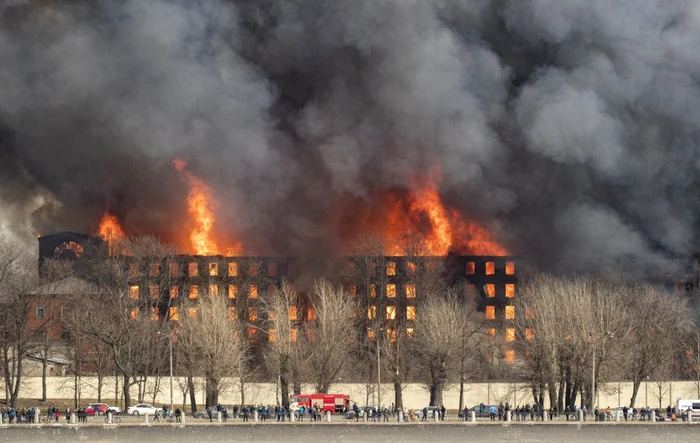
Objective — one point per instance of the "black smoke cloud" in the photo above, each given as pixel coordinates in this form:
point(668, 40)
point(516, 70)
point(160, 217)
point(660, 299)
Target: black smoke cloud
point(569, 128)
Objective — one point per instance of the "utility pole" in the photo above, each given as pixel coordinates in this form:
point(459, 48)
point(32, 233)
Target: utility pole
point(172, 403)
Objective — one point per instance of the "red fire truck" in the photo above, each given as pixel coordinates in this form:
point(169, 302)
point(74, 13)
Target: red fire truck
point(325, 402)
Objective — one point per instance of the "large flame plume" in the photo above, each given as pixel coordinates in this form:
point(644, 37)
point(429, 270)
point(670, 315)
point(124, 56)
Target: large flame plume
point(201, 207)
point(111, 231)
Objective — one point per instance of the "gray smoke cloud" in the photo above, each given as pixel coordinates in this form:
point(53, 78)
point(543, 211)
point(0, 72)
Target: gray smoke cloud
point(569, 128)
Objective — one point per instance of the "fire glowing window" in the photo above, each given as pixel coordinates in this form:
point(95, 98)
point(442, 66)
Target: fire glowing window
point(253, 270)
point(272, 335)
point(192, 312)
point(311, 333)
point(510, 268)
point(492, 332)
point(411, 267)
point(251, 332)
point(410, 312)
point(213, 290)
point(194, 292)
point(529, 334)
point(133, 270)
point(231, 313)
point(372, 290)
point(213, 269)
point(174, 269)
point(154, 291)
point(232, 291)
point(232, 269)
point(410, 291)
point(490, 312)
point(391, 268)
point(292, 312)
point(372, 312)
point(471, 268)
point(391, 312)
point(510, 312)
point(370, 334)
point(510, 355)
point(252, 314)
point(173, 313)
point(529, 313)
point(174, 290)
point(155, 314)
point(490, 290)
point(490, 268)
point(134, 292)
point(253, 291)
point(409, 332)
point(154, 270)
point(510, 334)
point(293, 335)
point(134, 314)
point(510, 290)
point(391, 290)
point(391, 334)
point(272, 269)
point(310, 313)
point(192, 269)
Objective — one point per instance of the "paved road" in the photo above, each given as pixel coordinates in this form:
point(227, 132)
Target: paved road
point(433, 433)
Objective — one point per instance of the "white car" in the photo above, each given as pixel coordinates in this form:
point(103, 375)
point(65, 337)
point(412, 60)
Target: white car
point(142, 409)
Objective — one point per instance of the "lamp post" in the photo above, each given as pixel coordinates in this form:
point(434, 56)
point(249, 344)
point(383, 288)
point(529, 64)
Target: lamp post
point(379, 367)
point(593, 402)
point(170, 348)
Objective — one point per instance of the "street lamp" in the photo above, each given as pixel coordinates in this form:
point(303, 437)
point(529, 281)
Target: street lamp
point(170, 346)
point(379, 367)
point(593, 402)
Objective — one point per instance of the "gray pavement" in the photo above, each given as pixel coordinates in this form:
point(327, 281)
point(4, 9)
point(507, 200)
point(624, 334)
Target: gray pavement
point(344, 432)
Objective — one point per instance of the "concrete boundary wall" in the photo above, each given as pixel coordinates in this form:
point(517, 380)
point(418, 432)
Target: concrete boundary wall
point(415, 395)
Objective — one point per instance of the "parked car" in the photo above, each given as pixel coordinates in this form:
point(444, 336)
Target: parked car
point(371, 411)
point(429, 413)
point(142, 409)
point(477, 411)
point(101, 409)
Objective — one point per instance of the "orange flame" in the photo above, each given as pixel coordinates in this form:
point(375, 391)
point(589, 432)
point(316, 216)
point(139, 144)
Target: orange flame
point(201, 209)
point(111, 231)
point(417, 221)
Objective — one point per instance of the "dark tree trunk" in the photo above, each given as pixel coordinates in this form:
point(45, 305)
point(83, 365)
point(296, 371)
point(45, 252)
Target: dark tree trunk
point(100, 382)
point(437, 381)
point(560, 398)
point(635, 390)
point(284, 391)
point(193, 394)
point(126, 384)
point(398, 394)
point(552, 394)
point(44, 367)
point(212, 395)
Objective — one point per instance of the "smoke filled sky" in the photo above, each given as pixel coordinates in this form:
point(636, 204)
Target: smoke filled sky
point(570, 129)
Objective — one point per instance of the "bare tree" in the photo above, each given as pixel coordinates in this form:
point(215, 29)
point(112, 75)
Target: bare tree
point(660, 322)
point(210, 334)
point(283, 310)
point(328, 333)
point(447, 327)
point(569, 322)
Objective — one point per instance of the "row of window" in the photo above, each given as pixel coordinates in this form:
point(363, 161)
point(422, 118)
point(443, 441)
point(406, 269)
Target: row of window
point(490, 268)
point(213, 269)
point(410, 290)
point(193, 291)
point(510, 334)
point(390, 313)
point(508, 311)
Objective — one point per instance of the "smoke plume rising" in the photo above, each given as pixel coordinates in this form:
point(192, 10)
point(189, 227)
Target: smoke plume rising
point(570, 129)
